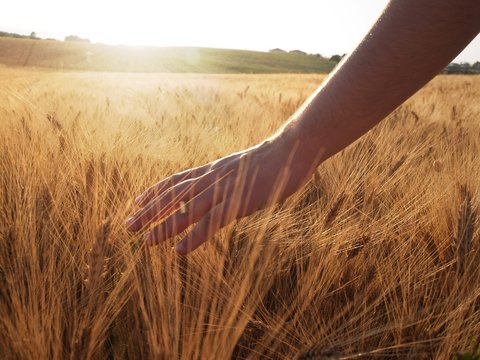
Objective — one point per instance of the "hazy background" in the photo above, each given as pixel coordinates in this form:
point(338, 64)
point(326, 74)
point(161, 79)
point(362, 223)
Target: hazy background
point(325, 27)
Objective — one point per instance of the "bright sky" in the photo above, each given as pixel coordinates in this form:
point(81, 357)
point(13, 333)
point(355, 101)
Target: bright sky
point(315, 26)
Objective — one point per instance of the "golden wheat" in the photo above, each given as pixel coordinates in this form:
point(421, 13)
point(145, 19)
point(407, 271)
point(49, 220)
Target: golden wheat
point(376, 257)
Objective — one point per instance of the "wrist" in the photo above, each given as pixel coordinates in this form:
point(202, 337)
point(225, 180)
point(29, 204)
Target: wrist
point(305, 147)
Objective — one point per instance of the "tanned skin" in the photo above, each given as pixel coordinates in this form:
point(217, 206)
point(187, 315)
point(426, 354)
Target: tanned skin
point(411, 42)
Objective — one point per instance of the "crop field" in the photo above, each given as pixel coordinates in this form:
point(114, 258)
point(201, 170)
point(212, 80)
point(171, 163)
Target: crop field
point(60, 55)
point(376, 257)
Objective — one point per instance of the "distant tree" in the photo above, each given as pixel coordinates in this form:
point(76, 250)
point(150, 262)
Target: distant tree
point(336, 58)
point(277, 50)
point(13, 35)
point(462, 68)
point(33, 35)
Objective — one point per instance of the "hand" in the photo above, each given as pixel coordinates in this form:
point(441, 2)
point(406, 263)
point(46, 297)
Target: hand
point(217, 193)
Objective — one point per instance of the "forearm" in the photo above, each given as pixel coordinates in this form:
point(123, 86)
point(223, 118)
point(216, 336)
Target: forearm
point(410, 43)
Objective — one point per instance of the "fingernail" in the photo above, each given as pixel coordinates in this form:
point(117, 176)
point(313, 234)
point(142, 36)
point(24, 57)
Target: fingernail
point(129, 221)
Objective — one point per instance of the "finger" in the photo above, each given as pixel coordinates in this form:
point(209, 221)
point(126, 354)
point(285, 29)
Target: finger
point(223, 161)
point(166, 203)
point(183, 218)
point(221, 215)
point(169, 182)
point(170, 200)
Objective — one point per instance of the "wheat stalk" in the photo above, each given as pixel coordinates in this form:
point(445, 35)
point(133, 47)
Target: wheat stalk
point(97, 262)
point(397, 165)
point(465, 229)
point(333, 212)
point(319, 352)
point(97, 259)
point(52, 119)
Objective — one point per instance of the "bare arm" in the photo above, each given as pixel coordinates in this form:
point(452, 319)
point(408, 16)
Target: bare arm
point(410, 43)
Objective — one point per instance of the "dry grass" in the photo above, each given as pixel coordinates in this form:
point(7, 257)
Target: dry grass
point(377, 257)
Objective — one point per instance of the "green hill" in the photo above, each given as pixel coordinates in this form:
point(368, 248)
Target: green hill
point(72, 55)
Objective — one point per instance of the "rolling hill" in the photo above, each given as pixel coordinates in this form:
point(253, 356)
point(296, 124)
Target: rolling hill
point(61, 55)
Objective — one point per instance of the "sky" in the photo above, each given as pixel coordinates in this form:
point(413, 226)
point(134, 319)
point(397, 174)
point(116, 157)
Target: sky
point(316, 26)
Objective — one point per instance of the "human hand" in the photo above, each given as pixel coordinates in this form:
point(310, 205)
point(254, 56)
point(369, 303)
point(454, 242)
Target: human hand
point(217, 193)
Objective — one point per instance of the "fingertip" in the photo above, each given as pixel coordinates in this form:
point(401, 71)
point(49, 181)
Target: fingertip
point(138, 200)
point(181, 248)
point(129, 222)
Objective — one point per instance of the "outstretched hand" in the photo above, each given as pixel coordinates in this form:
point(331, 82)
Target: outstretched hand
point(349, 103)
point(217, 193)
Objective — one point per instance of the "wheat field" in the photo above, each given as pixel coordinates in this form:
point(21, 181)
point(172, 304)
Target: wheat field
point(377, 257)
